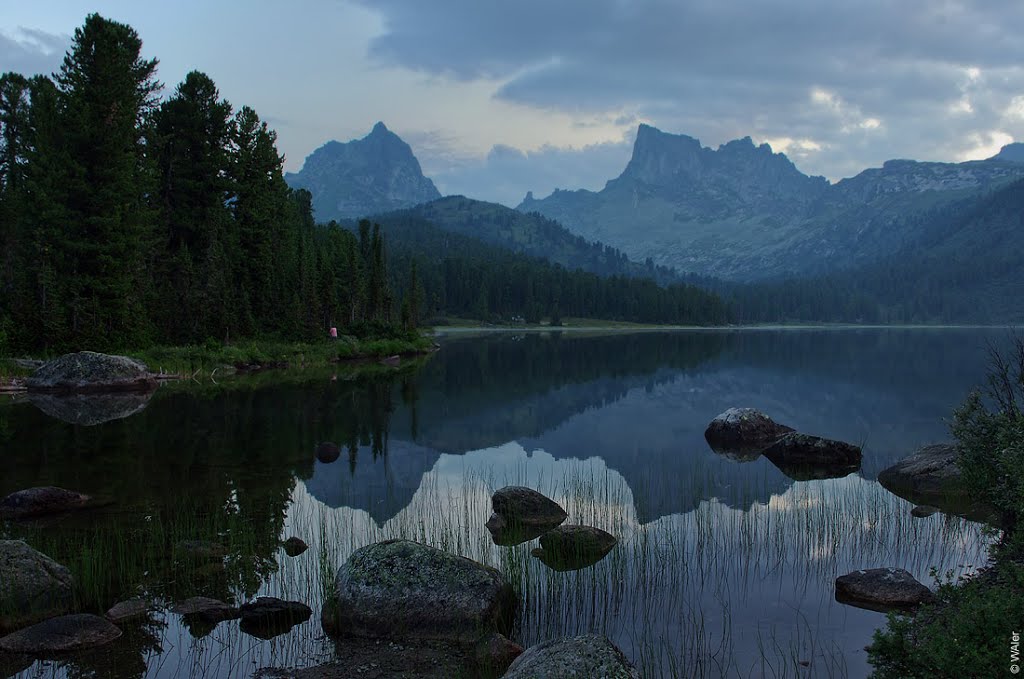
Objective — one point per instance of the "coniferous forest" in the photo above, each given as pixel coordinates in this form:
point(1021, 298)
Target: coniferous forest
point(128, 219)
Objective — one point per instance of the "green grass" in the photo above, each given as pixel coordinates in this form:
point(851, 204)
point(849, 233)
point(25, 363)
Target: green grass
point(205, 359)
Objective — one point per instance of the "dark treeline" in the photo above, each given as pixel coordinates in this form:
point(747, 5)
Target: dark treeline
point(462, 276)
point(128, 221)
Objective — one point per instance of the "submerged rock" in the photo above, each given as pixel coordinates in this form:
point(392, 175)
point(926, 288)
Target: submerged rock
point(570, 548)
point(408, 590)
point(804, 457)
point(268, 617)
point(589, 655)
point(923, 511)
point(882, 589)
point(201, 550)
point(128, 610)
point(205, 609)
point(88, 371)
point(88, 410)
point(65, 634)
point(400, 659)
point(294, 546)
point(327, 452)
point(521, 514)
point(41, 501)
point(742, 433)
point(33, 586)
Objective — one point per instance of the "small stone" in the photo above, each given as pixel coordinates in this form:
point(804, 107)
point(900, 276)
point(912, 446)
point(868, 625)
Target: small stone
point(41, 501)
point(923, 511)
point(294, 546)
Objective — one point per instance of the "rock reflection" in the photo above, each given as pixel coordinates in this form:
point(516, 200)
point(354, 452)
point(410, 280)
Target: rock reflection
point(91, 409)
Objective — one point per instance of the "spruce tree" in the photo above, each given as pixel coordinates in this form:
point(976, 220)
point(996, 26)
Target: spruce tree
point(107, 91)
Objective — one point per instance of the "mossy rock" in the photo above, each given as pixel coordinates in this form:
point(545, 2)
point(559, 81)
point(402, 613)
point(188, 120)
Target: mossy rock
point(404, 589)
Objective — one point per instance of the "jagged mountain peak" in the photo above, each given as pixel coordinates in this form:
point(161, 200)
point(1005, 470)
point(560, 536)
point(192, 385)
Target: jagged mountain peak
point(374, 174)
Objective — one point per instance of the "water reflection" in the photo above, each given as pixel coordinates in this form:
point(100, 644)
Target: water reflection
point(723, 565)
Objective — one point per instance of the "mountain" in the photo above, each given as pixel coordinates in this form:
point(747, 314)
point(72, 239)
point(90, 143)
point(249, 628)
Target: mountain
point(1011, 152)
point(531, 234)
point(377, 173)
point(965, 268)
point(743, 212)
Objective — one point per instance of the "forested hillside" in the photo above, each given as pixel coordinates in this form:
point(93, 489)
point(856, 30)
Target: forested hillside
point(534, 235)
point(463, 276)
point(964, 269)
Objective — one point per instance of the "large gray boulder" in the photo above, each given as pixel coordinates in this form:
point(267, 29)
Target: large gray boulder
point(90, 372)
point(882, 589)
point(803, 457)
point(570, 548)
point(65, 634)
point(33, 586)
point(742, 433)
point(403, 589)
point(590, 656)
point(32, 502)
point(521, 514)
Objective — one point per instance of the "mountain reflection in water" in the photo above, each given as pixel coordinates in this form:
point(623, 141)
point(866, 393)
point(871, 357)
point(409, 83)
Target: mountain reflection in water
point(717, 560)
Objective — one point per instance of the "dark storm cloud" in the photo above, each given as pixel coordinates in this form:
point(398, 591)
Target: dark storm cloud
point(31, 52)
point(865, 80)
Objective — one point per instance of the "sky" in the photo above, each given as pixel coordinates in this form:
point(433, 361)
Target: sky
point(500, 98)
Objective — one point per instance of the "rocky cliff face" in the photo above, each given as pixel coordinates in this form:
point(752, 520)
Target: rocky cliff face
point(363, 177)
point(744, 212)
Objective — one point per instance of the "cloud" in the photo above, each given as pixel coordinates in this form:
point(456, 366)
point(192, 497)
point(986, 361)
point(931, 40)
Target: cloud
point(507, 173)
point(31, 52)
point(864, 81)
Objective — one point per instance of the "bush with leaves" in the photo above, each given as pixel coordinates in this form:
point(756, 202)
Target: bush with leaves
point(989, 428)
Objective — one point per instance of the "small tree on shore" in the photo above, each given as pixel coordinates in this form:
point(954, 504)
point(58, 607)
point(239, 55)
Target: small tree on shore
point(989, 428)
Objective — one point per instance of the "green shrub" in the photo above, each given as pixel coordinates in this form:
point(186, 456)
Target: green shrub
point(990, 437)
point(965, 633)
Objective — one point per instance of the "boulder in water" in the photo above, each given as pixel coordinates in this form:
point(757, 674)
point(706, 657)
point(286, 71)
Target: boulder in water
point(521, 514)
point(570, 548)
point(403, 589)
point(803, 457)
point(65, 634)
point(33, 586)
point(588, 655)
point(41, 501)
point(90, 372)
point(742, 433)
point(882, 589)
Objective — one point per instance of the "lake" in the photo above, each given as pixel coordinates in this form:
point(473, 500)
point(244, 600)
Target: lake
point(724, 567)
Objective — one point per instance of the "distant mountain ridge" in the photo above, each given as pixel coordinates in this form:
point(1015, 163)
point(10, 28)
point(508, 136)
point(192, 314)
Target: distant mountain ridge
point(377, 173)
point(743, 212)
point(531, 234)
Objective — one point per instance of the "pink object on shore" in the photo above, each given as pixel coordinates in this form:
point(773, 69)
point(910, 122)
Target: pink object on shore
point(334, 333)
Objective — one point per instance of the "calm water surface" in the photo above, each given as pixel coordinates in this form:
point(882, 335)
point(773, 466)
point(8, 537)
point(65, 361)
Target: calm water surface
point(724, 567)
